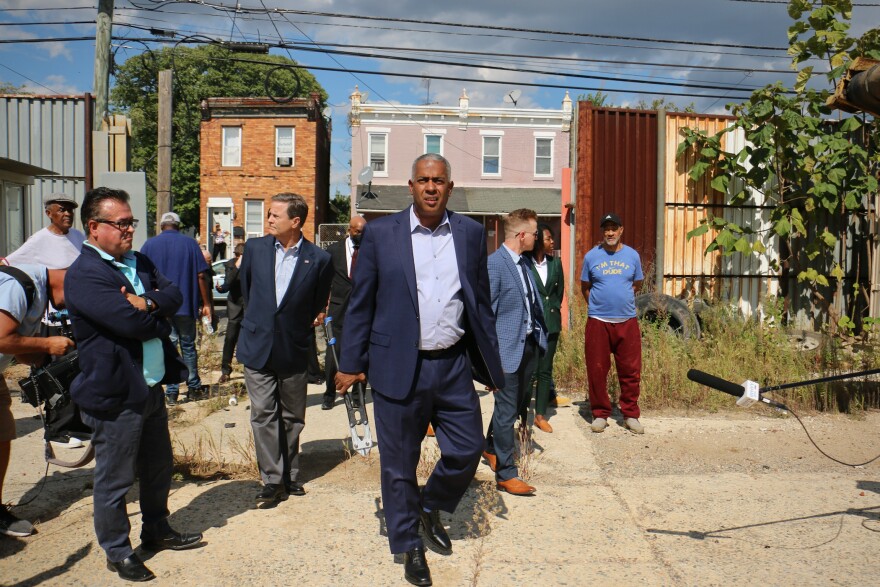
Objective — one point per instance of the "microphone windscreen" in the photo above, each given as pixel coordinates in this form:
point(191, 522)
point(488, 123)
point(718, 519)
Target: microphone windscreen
point(727, 387)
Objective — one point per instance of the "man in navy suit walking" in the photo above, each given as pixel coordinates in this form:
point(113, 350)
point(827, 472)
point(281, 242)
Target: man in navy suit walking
point(522, 337)
point(285, 281)
point(418, 322)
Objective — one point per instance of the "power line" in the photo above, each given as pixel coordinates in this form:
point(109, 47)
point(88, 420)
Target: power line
point(520, 38)
point(476, 80)
point(282, 11)
point(29, 79)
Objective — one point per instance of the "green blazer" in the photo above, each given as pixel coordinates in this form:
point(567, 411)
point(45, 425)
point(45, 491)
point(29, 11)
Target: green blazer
point(551, 293)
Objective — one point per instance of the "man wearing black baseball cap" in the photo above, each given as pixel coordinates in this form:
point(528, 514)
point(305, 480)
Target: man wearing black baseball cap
point(612, 272)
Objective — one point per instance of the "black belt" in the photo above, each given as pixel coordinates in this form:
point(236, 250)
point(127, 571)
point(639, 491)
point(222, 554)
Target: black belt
point(443, 353)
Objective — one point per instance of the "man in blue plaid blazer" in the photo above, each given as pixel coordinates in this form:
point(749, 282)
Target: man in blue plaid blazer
point(522, 338)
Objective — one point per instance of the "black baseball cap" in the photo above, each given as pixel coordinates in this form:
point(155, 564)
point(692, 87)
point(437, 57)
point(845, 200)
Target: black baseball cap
point(610, 217)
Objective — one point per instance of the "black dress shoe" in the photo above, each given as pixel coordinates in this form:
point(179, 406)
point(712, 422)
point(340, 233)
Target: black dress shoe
point(294, 488)
point(172, 541)
point(415, 567)
point(328, 403)
point(435, 532)
point(272, 492)
point(131, 569)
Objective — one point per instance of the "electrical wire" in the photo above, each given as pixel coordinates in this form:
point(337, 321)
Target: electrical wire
point(807, 432)
point(285, 11)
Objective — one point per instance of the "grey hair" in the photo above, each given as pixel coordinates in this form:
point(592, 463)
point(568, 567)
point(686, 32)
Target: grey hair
point(433, 157)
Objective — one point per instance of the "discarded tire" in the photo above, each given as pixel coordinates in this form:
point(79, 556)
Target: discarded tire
point(670, 311)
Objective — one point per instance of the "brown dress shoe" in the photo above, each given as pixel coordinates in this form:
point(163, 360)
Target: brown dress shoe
point(223, 378)
point(491, 459)
point(515, 486)
point(543, 425)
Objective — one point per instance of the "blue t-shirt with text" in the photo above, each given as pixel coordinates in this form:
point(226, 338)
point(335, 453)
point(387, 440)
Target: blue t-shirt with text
point(611, 276)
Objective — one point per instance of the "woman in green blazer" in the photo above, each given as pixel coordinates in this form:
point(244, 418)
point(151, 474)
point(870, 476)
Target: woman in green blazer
point(547, 271)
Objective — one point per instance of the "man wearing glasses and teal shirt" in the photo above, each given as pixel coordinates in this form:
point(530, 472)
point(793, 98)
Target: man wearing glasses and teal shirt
point(119, 304)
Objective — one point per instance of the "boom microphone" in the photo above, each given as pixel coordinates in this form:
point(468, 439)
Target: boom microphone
point(746, 394)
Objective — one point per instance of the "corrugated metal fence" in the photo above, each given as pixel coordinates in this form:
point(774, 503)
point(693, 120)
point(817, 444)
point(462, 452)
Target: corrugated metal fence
point(626, 162)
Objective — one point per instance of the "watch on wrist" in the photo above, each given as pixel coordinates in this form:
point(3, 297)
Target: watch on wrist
point(150, 305)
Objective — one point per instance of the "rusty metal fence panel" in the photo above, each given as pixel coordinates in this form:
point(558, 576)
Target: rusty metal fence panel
point(617, 172)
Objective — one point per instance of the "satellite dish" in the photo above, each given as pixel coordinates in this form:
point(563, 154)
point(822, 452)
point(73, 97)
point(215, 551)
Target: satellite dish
point(365, 175)
point(512, 96)
point(327, 112)
point(364, 96)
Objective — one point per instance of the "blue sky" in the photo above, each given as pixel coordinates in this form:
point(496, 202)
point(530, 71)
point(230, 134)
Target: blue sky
point(649, 43)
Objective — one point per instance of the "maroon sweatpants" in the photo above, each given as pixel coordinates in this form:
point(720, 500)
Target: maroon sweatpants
point(624, 340)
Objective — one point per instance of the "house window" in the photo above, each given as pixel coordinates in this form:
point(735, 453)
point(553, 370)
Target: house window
point(284, 146)
point(253, 218)
point(434, 144)
point(379, 153)
point(491, 155)
point(544, 157)
point(231, 146)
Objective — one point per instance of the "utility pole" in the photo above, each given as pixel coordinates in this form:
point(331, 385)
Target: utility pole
point(102, 61)
point(163, 172)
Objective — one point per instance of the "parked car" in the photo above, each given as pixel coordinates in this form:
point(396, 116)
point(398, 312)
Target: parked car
point(219, 275)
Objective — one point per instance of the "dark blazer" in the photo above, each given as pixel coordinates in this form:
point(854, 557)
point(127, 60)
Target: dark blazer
point(277, 337)
point(551, 293)
point(110, 332)
point(381, 334)
point(232, 285)
point(340, 288)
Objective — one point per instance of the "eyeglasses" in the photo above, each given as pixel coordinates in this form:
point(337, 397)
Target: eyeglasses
point(120, 225)
point(534, 234)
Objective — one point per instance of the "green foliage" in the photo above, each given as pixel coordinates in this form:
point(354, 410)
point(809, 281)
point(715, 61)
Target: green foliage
point(340, 209)
point(10, 88)
point(815, 172)
point(201, 72)
point(597, 99)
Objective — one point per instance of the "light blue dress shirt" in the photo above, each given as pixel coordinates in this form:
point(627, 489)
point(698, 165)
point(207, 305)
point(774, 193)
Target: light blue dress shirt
point(285, 264)
point(154, 357)
point(441, 304)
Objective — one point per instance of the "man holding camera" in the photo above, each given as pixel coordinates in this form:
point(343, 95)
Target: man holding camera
point(25, 292)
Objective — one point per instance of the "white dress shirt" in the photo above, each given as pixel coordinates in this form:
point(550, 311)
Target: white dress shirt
point(441, 304)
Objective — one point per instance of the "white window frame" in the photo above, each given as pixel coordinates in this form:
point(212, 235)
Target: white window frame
point(227, 150)
point(552, 145)
point(248, 218)
point(490, 135)
point(370, 134)
point(434, 132)
point(278, 153)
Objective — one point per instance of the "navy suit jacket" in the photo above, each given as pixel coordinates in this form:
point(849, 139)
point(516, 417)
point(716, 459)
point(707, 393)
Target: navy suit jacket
point(110, 332)
point(381, 334)
point(277, 337)
point(511, 307)
point(341, 285)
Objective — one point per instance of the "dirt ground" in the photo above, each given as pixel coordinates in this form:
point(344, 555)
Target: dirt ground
point(738, 497)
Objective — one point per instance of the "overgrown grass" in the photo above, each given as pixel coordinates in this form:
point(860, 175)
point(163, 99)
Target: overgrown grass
point(731, 348)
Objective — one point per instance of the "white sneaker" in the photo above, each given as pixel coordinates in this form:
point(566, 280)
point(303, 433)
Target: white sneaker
point(71, 443)
point(599, 425)
point(633, 425)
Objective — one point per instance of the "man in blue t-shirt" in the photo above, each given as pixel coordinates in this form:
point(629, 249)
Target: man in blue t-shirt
point(179, 258)
point(612, 273)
